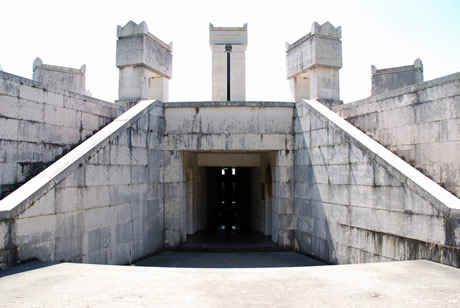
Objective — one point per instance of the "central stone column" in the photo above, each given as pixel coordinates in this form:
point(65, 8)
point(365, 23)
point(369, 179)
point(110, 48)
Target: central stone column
point(228, 46)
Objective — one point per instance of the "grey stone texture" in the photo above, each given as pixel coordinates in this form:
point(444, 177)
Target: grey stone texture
point(420, 123)
point(237, 37)
point(356, 202)
point(101, 203)
point(39, 123)
point(331, 191)
point(145, 63)
point(70, 79)
point(388, 79)
point(262, 128)
point(313, 63)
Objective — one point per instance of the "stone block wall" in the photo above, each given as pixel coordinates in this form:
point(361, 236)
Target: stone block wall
point(234, 127)
point(39, 123)
point(420, 123)
point(356, 202)
point(101, 203)
point(283, 199)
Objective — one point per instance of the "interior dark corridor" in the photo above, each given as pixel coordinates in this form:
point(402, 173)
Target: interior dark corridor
point(234, 212)
point(229, 199)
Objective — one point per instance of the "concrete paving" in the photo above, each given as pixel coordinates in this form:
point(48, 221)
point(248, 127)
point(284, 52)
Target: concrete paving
point(405, 284)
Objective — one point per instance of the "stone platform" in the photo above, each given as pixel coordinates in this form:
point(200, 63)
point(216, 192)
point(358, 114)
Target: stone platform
point(404, 284)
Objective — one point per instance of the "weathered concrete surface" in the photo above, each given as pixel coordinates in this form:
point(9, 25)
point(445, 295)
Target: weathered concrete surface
point(39, 122)
point(145, 64)
point(406, 284)
point(357, 202)
point(420, 123)
point(313, 63)
point(388, 79)
point(100, 203)
point(257, 127)
point(70, 79)
point(238, 38)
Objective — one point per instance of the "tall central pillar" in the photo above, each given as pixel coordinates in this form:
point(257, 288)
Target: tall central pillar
point(228, 46)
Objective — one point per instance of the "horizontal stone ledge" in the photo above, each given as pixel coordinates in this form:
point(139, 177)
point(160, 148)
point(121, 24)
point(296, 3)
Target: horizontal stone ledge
point(212, 104)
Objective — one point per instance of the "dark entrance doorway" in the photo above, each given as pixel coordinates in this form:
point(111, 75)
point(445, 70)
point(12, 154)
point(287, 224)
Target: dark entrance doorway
point(229, 199)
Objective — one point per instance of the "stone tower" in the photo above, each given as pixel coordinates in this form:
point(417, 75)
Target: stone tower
point(228, 46)
point(145, 64)
point(313, 63)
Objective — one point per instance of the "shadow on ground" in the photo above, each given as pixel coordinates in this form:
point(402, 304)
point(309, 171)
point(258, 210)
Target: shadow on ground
point(25, 267)
point(229, 259)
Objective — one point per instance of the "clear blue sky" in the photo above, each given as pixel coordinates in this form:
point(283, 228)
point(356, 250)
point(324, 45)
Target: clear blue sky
point(381, 33)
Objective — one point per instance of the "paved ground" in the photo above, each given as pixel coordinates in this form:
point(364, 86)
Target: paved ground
point(397, 284)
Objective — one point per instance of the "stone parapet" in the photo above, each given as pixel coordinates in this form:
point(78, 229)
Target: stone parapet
point(388, 79)
point(39, 123)
point(419, 123)
point(356, 202)
point(70, 79)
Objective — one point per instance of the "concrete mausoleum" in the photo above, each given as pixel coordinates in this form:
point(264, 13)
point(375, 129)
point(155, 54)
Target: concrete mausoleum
point(90, 181)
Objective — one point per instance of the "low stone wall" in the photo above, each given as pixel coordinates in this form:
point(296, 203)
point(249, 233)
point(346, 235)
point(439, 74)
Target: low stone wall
point(356, 202)
point(100, 203)
point(420, 123)
point(39, 123)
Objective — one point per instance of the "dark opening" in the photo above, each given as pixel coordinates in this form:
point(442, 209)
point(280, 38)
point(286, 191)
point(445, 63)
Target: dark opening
point(229, 199)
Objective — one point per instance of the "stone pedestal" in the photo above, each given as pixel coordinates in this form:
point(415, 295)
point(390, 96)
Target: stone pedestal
point(388, 79)
point(237, 37)
point(145, 64)
point(313, 64)
point(70, 79)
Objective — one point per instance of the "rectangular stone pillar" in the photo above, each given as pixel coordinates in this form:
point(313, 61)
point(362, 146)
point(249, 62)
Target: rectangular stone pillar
point(313, 63)
point(237, 38)
point(283, 228)
point(175, 211)
point(145, 64)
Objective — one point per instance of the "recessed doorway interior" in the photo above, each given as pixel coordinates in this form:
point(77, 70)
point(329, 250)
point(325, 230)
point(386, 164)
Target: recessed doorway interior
point(228, 204)
point(229, 199)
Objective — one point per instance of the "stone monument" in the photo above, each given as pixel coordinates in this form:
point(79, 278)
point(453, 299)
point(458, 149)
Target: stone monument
point(313, 64)
point(228, 46)
point(145, 64)
point(71, 79)
point(387, 79)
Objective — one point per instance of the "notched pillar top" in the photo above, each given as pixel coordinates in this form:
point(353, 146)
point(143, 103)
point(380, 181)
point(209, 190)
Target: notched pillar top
point(228, 35)
point(322, 46)
point(313, 63)
point(388, 79)
point(136, 46)
point(67, 78)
